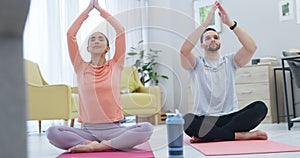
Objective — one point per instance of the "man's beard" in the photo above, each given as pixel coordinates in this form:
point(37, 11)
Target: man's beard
point(213, 49)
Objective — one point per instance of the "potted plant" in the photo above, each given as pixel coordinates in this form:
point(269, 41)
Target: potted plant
point(146, 63)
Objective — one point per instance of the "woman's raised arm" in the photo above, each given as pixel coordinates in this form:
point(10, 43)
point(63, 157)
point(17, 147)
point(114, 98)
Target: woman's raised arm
point(120, 44)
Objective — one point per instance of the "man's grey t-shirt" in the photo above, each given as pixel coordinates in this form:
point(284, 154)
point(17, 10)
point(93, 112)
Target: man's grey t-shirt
point(213, 86)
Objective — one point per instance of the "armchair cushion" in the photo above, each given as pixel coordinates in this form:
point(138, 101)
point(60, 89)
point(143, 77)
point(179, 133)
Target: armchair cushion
point(129, 80)
point(141, 101)
point(50, 102)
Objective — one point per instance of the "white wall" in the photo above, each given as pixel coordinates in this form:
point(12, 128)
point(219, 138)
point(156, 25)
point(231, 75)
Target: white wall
point(261, 20)
point(171, 21)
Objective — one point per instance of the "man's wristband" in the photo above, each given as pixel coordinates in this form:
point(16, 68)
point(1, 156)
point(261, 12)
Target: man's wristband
point(233, 26)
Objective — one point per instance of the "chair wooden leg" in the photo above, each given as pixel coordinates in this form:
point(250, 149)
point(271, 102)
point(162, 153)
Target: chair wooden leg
point(151, 119)
point(40, 126)
point(66, 122)
point(156, 119)
point(72, 122)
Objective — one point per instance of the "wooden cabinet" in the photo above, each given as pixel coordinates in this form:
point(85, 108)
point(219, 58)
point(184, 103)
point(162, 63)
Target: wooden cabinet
point(255, 83)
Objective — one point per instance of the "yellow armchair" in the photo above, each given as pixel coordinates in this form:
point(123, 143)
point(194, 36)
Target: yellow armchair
point(144, 102)
point(49, 102)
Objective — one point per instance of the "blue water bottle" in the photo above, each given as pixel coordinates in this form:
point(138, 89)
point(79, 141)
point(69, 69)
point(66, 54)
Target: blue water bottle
point(175, 134)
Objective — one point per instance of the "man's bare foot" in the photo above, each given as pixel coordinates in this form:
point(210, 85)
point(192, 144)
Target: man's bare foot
point(255, 135)
point(195, 140)
point(91, 146)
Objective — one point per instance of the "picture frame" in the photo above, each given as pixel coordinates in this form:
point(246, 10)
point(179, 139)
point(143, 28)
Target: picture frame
point(286, 10)
point(201, 9)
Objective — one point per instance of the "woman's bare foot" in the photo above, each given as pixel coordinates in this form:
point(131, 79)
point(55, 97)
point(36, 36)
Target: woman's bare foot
point(195, 140)
point(258, 135)
point(91, 146)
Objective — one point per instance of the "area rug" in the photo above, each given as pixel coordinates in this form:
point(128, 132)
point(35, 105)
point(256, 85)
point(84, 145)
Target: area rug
point(241, 147)
point(140, 151)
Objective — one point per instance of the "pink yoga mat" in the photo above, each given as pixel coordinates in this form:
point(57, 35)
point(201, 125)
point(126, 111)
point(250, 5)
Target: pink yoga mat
point(241, 147)
point(140, 151)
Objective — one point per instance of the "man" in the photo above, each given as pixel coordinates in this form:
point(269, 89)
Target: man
point(216, 116)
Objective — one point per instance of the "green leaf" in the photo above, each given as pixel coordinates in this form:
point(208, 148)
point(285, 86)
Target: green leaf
point(163, 76)
point(142, 52)
point(137, 63)
point(132, 53)
point(141, 41)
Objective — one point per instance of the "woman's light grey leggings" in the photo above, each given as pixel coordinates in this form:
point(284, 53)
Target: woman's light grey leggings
point(65, 137)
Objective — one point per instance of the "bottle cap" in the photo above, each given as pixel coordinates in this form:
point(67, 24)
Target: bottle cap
point(174, 118)
point(177, 112)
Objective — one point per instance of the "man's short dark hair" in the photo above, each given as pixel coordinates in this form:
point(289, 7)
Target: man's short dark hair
point(207, 29)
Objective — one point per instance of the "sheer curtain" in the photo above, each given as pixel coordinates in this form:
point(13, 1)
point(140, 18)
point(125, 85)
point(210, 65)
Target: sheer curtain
point(45, 38)
point(45, 43)
point(133, 15)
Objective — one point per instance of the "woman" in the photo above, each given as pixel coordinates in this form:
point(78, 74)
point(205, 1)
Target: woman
point(99, 94)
